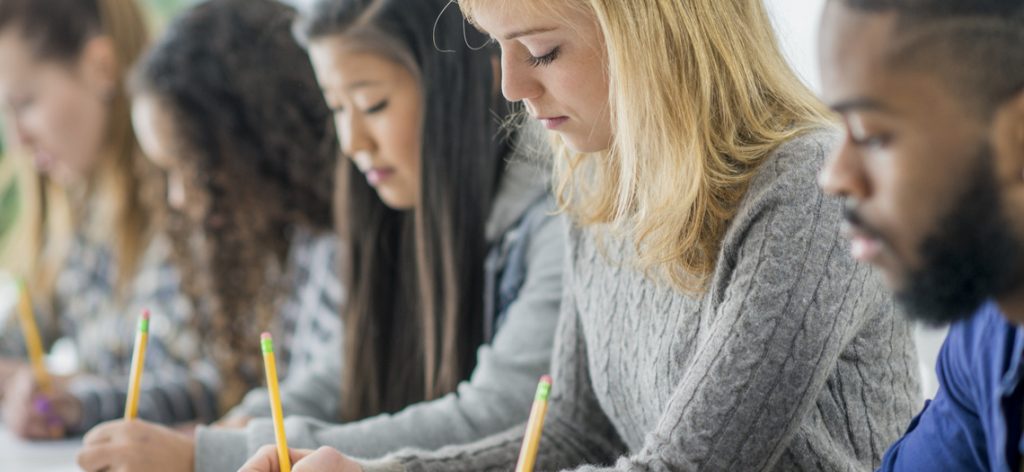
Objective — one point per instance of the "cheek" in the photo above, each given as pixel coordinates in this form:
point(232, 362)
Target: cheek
point(404, 142)
point(75, 124)
point(907, 204)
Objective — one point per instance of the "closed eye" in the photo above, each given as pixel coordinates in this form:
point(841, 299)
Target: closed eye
point(535, 61)
point(377, 108)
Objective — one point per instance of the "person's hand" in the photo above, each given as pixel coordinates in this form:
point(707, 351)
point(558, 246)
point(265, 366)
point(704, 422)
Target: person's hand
point(31, 413)
point(8, 367)
point(125, 446)
point(324, 459)
point(232, 422)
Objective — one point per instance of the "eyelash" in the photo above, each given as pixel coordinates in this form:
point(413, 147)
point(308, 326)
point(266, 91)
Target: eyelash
point(873, 141)
point(377, 108)
point(369, 111)
point(544, 60)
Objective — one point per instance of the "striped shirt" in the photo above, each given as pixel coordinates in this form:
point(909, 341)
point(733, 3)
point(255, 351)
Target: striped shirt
point(179, 384)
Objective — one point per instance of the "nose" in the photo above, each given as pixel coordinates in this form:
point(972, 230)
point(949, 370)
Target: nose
point(354, 137)
point(518, 82)
point(844, 174)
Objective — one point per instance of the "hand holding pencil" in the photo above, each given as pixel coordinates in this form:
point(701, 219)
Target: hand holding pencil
point(35, 405)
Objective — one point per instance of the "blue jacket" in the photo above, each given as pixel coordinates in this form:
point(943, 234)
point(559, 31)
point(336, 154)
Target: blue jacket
point(974, 422)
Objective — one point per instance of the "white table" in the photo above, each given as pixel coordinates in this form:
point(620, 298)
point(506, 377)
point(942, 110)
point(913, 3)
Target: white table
point(51, 456)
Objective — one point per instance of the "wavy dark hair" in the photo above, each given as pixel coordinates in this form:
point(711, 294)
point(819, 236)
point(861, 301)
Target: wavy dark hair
point(414, 279)
point(257, 147)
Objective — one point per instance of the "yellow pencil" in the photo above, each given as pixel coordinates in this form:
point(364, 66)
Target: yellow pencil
point(531, 442)
point(267, 343)
point(30, 332)
point(131, 409)
point(34, 346)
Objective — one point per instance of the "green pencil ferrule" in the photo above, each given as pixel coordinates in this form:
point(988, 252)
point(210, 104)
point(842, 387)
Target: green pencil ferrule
point(143, 325)
point(268, 346)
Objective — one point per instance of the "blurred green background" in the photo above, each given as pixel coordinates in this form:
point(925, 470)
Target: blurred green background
point(159, 12)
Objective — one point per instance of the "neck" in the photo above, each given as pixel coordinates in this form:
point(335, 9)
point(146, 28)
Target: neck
point(1012, 305)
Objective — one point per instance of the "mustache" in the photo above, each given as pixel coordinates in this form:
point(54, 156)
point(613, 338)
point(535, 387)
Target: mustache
point(854, 219)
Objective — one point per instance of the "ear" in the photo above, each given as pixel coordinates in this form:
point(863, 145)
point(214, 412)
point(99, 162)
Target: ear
point(99, 66)
point(1007, 138)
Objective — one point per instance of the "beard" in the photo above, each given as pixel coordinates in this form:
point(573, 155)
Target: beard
point(971, 257)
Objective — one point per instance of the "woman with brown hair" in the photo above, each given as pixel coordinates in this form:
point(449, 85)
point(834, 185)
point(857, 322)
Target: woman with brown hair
point(84, 241)
point(227, 106)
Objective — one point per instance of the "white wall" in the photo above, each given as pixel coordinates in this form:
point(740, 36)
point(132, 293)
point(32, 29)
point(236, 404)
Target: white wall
point(797, 24)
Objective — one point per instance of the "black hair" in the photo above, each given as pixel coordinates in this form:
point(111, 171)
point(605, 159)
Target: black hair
point(414, 280)
point(56, 29)
point(256, 143)
point(975, 44)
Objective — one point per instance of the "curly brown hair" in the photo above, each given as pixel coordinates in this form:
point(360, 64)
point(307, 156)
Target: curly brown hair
point(258, 152)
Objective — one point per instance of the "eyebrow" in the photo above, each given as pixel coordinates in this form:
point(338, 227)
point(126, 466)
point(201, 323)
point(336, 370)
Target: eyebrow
point(528, 32)
point(362, 84)
point(858, 104)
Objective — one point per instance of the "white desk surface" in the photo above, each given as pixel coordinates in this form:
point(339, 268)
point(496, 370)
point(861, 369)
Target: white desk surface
point(52, 456)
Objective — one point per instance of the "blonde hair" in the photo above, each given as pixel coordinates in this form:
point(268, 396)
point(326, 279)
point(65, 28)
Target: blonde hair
point(700, 94)
point(50, 215)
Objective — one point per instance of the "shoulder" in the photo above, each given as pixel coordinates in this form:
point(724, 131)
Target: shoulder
point(982, 341)
point(784, 193)
point(793, 167)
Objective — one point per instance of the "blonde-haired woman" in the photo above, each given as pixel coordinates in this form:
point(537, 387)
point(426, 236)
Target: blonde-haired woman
point(83, 240)
point(712, 319)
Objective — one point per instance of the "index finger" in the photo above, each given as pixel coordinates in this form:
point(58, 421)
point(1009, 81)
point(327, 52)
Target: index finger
point(265, 460)
point(102, 433)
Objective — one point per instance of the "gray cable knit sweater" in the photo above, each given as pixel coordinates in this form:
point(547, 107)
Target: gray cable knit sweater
point(794, 359)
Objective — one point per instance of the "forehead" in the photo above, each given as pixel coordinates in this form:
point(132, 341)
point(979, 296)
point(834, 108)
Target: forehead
point(503, 18)
point(854, 49)
point(16, 58)
point(339, 62)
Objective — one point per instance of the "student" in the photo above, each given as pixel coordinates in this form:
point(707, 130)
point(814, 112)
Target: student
point(227, 106)
point(451, 260)
point(710, 320)
point(932, 94)
point(92, 255)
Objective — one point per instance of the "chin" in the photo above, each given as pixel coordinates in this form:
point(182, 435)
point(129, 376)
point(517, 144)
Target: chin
point(583, 144)
point(397, 202)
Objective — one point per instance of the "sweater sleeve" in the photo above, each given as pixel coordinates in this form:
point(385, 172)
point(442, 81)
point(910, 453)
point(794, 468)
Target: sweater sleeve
point(786, 300)
point(497, 396)
point(177, 385)
point(312, 387)
point(576, 429)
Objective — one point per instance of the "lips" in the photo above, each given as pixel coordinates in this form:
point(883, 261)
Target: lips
point(43, 162)
point(864, 246)
point(553, 123)
point(378, 175)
